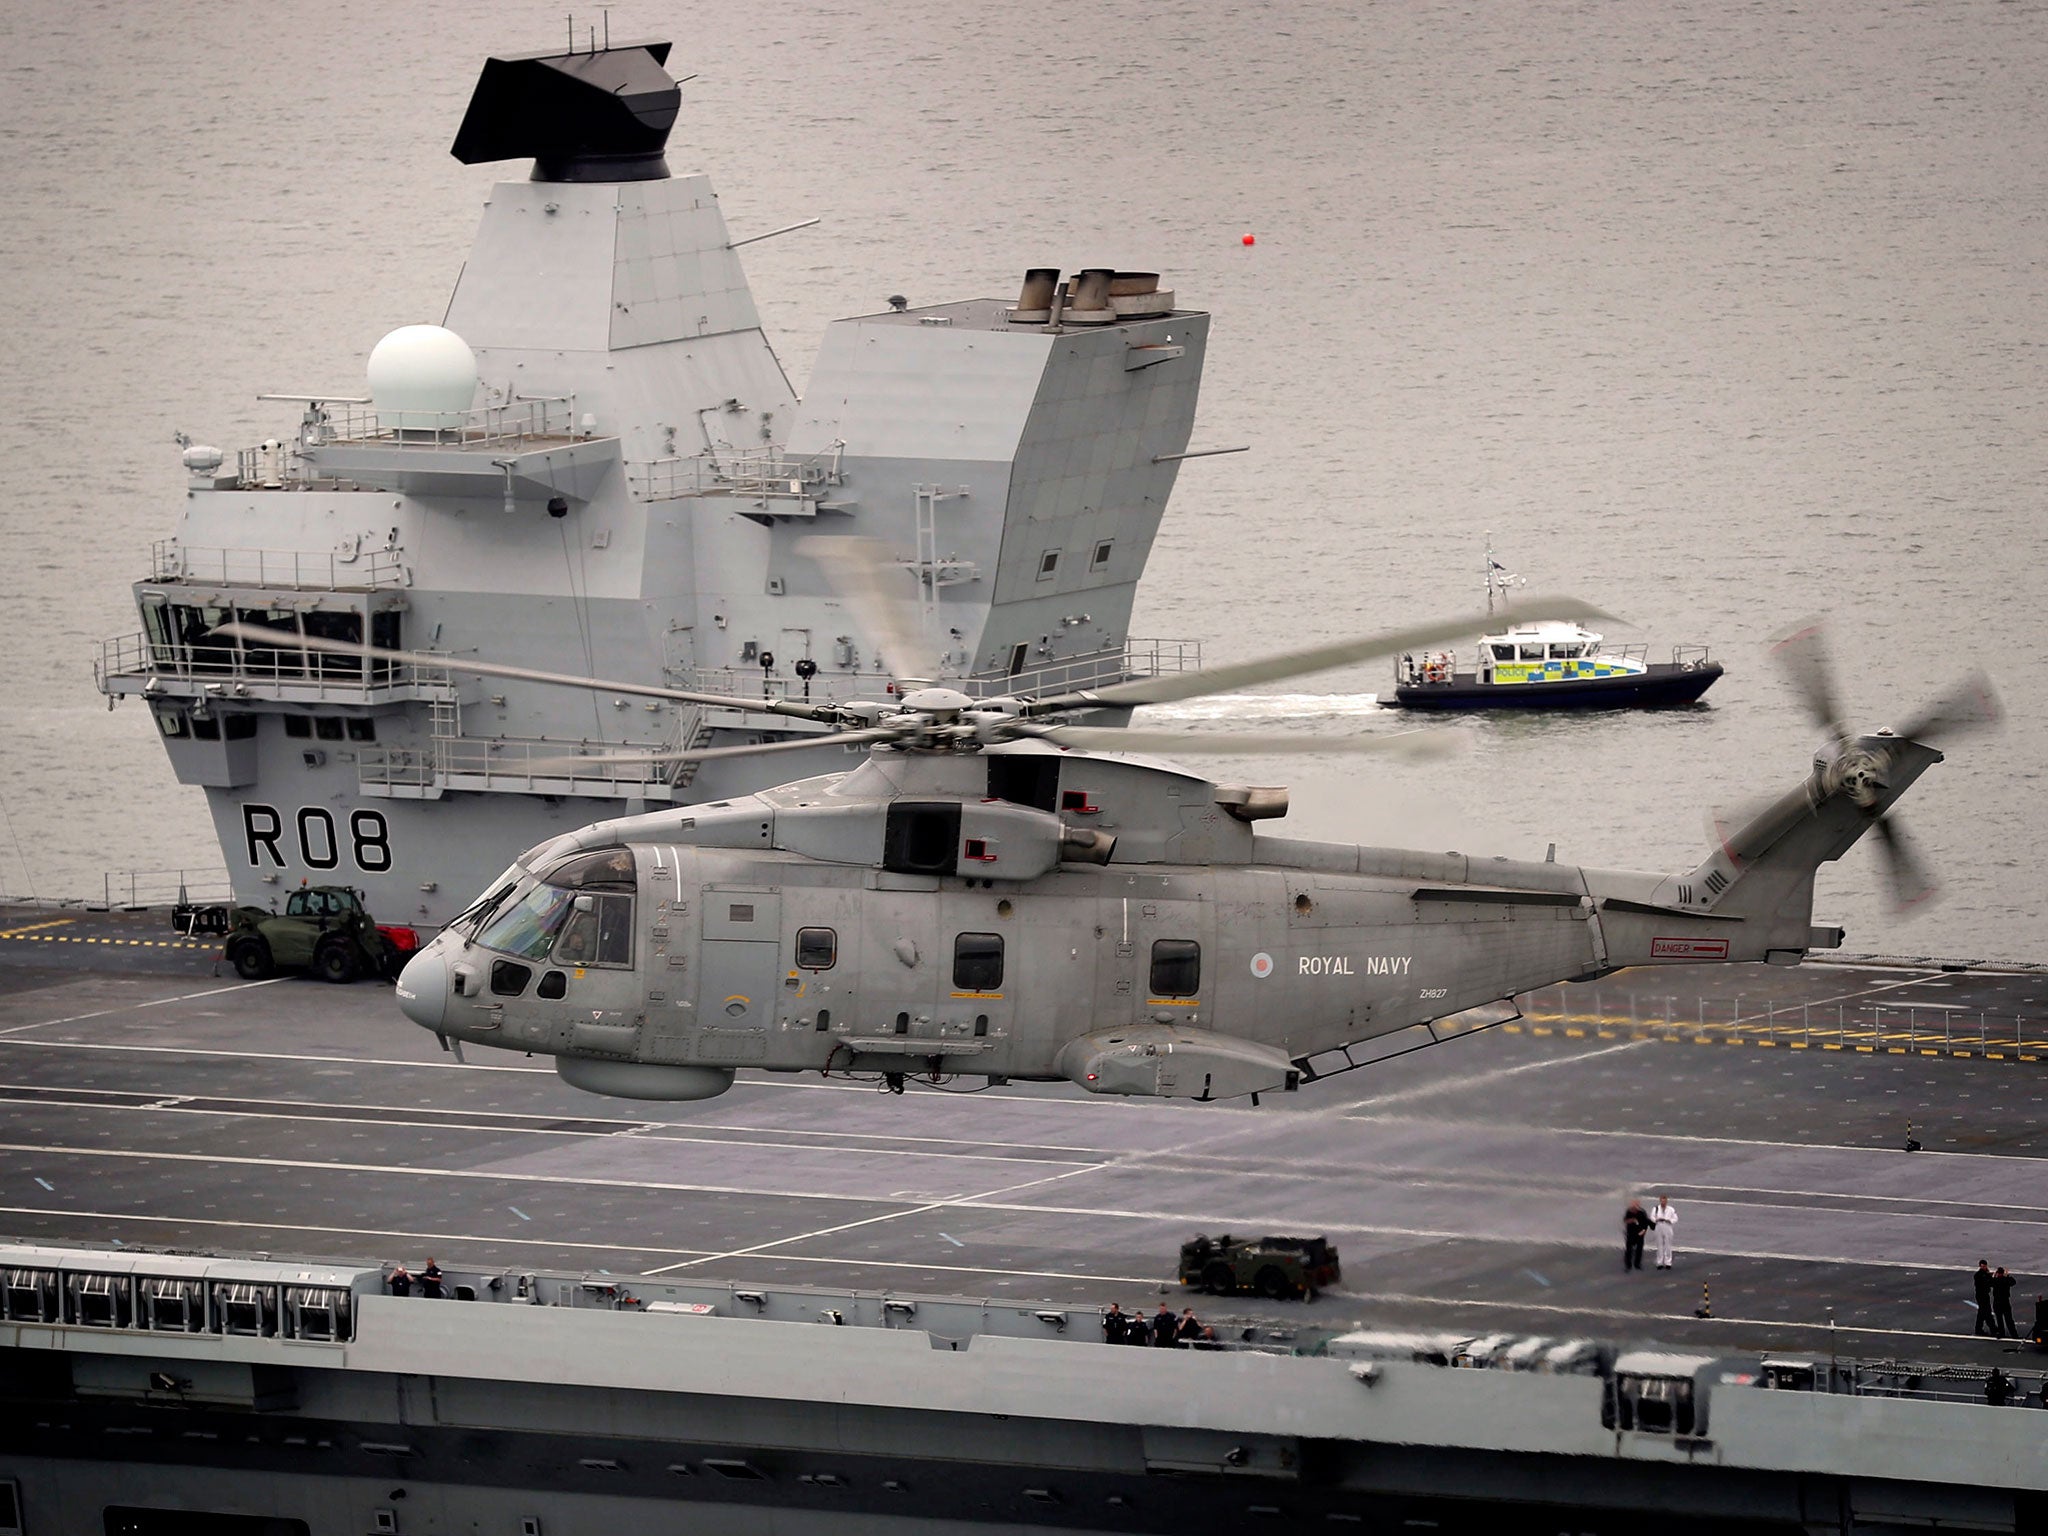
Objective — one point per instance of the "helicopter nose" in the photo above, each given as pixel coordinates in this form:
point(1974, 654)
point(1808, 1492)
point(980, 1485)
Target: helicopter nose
point(423, 988)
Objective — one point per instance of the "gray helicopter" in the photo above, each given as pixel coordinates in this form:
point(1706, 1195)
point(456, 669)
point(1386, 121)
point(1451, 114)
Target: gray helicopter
point(990, 893)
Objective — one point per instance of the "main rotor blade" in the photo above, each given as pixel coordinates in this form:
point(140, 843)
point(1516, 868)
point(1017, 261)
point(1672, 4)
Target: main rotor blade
point(271, 639)
point(866, 575)
point(1970, 705)
point(1907, 879)
point(1441, 742)
point(1802, 653)
point(565, 766)
point(1170, 688)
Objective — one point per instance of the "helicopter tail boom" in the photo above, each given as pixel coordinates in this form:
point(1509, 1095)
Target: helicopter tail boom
point(1752, 897)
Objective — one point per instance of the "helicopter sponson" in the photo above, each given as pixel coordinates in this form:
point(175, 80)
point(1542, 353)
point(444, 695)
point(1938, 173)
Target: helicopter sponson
point(1030, 913)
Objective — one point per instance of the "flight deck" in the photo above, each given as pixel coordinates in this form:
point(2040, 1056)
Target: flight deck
point(154, 1098)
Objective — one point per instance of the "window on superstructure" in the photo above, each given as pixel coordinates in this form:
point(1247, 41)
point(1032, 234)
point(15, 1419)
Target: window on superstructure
point(343, 627)
point(1048, 563)
point(1503, 653)
point(361, 728)
point(328, 727)
point(1532, 653)
point(298, 727)
point(205, 728)
point(1100, 558)
point(239, 727)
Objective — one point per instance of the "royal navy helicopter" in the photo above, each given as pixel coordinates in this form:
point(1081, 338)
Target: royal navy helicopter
point(989, 893)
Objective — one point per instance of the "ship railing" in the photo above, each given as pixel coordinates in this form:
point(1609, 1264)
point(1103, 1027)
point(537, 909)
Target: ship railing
point(1690, 656)
point(525, 764)
point(1133, 659)
point(509, 422)
point(331, 570)
point(137, 890)
point(767, 475)
point(138, 664)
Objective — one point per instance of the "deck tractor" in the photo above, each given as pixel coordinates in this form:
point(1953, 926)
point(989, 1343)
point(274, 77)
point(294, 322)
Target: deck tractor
point(323, 929)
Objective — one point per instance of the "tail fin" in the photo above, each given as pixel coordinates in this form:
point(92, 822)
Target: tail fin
point(1762, 873)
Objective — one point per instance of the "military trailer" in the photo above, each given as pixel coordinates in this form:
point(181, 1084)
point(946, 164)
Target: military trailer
point(1274, 1267)
point(323, 928)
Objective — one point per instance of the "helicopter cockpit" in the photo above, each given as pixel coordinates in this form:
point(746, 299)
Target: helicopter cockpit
point(579, 912)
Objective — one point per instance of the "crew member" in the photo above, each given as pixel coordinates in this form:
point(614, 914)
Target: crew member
point(1986, 1322)
point(1187, 1330)
point(400, 1280)
point(430, 1280)
point(1664, 1219)
point(1163, 1325)
point(2001, 1302)
point(1113, 1323)
point(1635, 1225)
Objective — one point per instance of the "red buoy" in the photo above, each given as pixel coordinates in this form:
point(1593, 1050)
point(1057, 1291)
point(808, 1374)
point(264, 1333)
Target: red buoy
point(1250, 239)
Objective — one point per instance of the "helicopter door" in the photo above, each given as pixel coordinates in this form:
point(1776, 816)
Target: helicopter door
point(905, 962)
point(1156, 961)
point(739, 974)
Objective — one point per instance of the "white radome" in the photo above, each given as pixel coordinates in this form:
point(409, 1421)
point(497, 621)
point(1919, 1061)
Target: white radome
point(422, 376)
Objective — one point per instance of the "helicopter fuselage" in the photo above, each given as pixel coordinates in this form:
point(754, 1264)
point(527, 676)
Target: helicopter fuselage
point(1031, 914)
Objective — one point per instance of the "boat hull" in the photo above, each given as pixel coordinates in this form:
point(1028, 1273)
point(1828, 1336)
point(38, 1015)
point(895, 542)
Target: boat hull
point(1665, 684)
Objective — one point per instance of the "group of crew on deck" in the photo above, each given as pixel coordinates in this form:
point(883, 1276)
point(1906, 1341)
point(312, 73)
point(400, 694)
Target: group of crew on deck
point(1163, 1330)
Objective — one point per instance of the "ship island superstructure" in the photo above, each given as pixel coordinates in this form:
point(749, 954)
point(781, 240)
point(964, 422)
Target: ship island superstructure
point(621, 488)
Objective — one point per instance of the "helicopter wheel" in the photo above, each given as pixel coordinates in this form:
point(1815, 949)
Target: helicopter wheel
point(251, 960)
point(335, 962)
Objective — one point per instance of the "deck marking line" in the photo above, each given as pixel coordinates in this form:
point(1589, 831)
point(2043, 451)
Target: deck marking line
point(79, 1018)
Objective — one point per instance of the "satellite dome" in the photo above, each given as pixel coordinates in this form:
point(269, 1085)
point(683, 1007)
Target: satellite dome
point(420, 375)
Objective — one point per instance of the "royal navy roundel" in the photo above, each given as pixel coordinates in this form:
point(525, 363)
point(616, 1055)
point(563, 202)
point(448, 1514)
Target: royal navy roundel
point(1262, 965)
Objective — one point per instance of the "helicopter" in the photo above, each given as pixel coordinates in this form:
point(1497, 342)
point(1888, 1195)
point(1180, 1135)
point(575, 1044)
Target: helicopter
point(991, 893)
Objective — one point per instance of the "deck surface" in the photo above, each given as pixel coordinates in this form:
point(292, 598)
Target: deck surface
point(1475, 1185)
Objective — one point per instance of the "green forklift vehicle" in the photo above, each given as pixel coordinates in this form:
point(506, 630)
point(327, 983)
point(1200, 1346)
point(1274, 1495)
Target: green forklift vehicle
point(323, 929)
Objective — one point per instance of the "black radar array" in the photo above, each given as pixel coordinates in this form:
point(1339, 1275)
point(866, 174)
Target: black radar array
point(598, 116)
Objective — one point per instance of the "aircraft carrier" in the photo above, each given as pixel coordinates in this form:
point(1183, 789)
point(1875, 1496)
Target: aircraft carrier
point(1474, 1191)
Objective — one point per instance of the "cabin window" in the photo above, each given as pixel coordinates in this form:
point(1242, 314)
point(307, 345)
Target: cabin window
point(978, 962)
point(1176, 968)
point(171, 722)
point(205, 728)
point(1100, 558)
point(553, 985)
point(328, 727)
point(921, 837)
point(1503, 653)
point(299, 727)
point(361, 728)
point(1532, 653)
point(1018, 653)
point(509, 977)
point(580, 913)
point(817, 949)
point(1048, 563)
point(239, 727)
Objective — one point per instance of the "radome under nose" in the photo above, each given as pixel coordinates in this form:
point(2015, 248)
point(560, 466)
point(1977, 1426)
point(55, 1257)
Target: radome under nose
point(423, 989)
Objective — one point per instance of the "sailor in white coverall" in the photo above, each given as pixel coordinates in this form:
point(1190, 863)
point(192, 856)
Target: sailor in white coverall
point(1664, 1220)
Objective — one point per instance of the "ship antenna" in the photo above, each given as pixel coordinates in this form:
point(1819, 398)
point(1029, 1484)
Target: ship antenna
point(1489, 575)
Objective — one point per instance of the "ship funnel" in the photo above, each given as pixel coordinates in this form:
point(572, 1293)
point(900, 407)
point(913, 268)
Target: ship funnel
point(1034, 302)
point(604, 115)
point(1088, 304)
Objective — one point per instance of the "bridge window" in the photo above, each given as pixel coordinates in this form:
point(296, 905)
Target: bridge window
point(328, 727)
point(978, 962)
point(817, 949)
point(1503, 653)
point(1176, 968)
point(298, 727)
point(361, 728)
point(1100, 558)
point(1048, 563)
